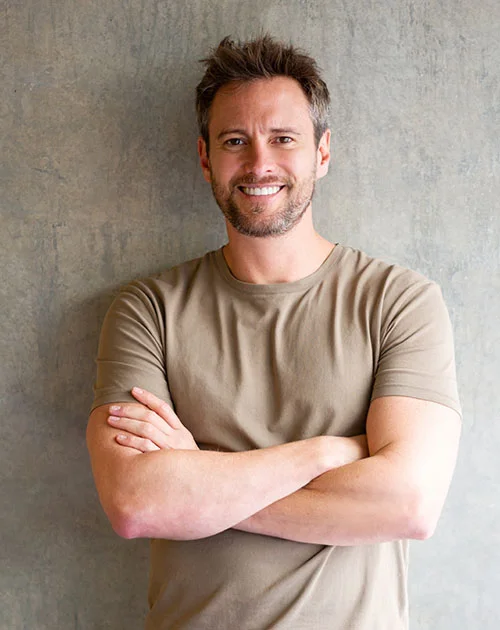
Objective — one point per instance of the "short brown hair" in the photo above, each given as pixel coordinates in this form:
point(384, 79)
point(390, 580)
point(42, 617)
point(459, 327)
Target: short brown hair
point(261, 58)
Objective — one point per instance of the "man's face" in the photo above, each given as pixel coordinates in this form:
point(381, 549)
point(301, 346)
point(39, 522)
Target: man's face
point(263, 163)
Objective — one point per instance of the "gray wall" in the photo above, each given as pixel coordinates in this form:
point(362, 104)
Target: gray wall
point(100, 184)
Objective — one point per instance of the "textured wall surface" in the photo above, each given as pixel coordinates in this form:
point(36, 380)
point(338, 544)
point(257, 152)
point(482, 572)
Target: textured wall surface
point(100, 184)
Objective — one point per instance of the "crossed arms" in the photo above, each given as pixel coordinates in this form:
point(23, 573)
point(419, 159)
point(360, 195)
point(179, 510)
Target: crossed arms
point(153, 481)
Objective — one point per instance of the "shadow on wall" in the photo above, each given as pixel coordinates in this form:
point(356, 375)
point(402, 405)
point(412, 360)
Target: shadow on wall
point(145, 158)
point(151, 158)
point(148, 135)
point(58, 549)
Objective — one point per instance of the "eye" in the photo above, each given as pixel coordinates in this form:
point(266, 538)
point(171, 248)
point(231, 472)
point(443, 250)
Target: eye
point(234, 142)
point(283, 140)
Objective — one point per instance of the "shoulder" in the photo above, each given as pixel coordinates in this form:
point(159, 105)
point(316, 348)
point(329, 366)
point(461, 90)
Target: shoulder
point(383, 282)
point(156, 290)
point(358, 265)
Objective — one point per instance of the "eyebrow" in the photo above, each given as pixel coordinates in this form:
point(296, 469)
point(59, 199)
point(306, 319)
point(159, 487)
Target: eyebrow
point(291, 130)
point(242, 132)
point(227, 132)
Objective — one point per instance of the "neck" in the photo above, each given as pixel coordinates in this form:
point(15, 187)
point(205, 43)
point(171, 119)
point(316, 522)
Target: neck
point(271, 260)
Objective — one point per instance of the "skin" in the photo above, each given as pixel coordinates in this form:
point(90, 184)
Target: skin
point(269, 153)
point(262, 133)
point(152, 478)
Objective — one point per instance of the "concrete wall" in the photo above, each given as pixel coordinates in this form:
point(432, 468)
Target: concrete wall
point(100, 184)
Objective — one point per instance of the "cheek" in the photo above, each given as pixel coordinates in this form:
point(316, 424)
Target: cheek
point(301, 166)
point(223, 169)
point(302, 157)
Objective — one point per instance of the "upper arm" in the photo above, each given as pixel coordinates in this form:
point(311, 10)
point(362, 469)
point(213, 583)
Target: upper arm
point(109, 461)
point(132, 346)
point(420, 440)
point(131, 353)
point(414, 417)
point(101, 441)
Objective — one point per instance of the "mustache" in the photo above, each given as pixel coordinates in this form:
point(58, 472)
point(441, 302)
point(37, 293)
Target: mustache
point(260, 181)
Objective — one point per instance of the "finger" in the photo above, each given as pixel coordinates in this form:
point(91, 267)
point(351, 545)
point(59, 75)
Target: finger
point(139, 444)
point(140, 412)
point(140, 429)
point(158, 405)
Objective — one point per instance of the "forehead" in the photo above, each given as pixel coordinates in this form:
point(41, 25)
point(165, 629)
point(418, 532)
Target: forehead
point(277, 102)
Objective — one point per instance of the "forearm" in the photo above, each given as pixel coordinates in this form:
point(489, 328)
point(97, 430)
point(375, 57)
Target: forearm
point(357, 504)
point(398, 492)
point(181, 494)
point(176, 492)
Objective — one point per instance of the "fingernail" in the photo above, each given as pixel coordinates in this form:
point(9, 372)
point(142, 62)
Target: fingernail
point(137, 390)
point(113, 419)
point(115, 408)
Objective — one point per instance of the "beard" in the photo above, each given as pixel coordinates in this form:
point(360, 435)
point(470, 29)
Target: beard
point(297, 198)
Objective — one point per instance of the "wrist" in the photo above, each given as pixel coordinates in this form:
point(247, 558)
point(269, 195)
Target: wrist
point(340, 451)
point(329, 453)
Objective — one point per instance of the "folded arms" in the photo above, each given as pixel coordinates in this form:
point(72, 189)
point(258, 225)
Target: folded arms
point(154, 482)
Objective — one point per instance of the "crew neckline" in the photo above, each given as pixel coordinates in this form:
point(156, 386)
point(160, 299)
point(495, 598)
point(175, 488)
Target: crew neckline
point(280, 287)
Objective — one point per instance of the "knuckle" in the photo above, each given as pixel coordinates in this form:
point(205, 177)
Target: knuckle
point(150, 446)
point(148, 431)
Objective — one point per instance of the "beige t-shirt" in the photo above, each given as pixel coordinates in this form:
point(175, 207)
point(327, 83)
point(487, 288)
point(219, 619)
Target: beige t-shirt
point(249, 366)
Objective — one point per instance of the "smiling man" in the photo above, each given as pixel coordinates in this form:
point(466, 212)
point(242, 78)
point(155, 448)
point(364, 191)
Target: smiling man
point(263, 175)
point(279, 416)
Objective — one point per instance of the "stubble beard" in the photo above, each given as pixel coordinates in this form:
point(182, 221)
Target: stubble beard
point(279, 222)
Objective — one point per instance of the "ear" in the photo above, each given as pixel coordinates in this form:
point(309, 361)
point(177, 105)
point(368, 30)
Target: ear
point(204, 161)
point(323, 155)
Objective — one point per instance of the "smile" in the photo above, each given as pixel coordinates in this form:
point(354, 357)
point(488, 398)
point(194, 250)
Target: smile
point(266, 190)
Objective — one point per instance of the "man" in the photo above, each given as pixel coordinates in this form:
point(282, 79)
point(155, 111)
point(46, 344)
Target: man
point(281, 415)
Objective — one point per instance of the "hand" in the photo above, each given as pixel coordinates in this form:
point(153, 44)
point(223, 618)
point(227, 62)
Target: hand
point(151, 426)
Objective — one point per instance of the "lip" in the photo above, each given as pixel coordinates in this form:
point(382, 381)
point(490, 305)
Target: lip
point(260, 197)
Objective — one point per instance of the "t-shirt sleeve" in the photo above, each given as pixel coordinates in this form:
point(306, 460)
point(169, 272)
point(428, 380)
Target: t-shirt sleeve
point(416, 356)
point(132, 347)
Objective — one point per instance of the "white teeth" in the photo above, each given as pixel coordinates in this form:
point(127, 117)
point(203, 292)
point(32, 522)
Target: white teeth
point(269, 190)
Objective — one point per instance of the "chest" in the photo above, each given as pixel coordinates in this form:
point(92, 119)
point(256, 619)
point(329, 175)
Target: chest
point(252, 373)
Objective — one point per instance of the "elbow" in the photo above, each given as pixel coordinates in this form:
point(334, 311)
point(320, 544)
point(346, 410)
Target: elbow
point(126, 528)
point(422, 529)
point(127, 517)
point(125, 522)
point(138, 519)
point(422, 518)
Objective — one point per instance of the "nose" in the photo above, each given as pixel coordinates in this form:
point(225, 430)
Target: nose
point(260, 160)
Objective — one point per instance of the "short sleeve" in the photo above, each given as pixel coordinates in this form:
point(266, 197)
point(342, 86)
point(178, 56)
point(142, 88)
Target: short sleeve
point(416, 356)
point(132, 347)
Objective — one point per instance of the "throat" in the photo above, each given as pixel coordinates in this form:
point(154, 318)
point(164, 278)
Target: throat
point(274, 263)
